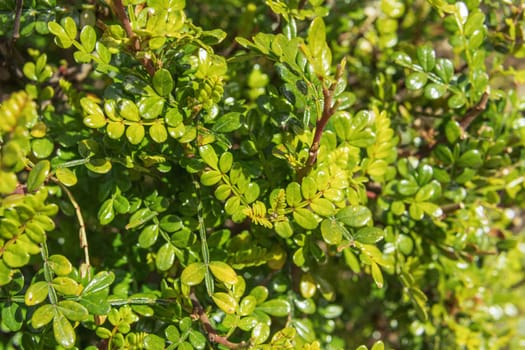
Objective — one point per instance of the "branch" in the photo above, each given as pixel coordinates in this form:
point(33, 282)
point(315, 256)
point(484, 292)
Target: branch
point(120, 11)
point(465, 122)
point(18, 14)
point(329, 109)
point(474, 112)
point(84, 268)
point(213, 336)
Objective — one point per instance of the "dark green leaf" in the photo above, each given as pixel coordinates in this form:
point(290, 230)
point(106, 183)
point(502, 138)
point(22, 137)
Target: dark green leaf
point(38, 175)
point(163, 82)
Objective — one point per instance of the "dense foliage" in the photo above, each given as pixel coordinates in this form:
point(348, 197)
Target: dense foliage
point(286, 174)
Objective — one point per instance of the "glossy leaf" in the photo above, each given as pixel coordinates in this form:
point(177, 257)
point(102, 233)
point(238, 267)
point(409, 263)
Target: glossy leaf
point(101, 281)
point(305, 218)
point(163, 82)
point(165, 257)
point(416, 80)
point(63, 331)
point(275, 307)
point(223, 272)
point(42, 316)
point(38, 175)
point(354, 216)
point(225, 302)
point(193, 274)
point(36, 293)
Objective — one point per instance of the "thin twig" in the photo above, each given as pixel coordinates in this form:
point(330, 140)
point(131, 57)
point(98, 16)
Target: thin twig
point(85, 267)
point(18, 15)
point(329, 109)
point(465, 122)
point(474, 112)
point(213, 336)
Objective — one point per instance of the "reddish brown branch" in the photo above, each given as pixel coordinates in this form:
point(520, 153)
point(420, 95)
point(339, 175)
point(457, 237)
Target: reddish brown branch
point(213, 336)
point(329, 108)
point(120, 11)
point(465, 122)
point(474, 112)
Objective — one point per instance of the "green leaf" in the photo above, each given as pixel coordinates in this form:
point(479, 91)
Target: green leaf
point(318, 48)
point(260, 333)
point(211, 177)
point(247, 305)
point(305, 218)
point(140, 217)
point(227, 123)
point(426, 57)
point(225, 162)
point(193, 274)
point(42, 148)
point(165, 257)
point(60, 265)
point(65, 285)
point(445, 69)
point(128, 110)
point(379, 345)
point(276, 307)
point(101, 281)
point(434, 91)
point(42, 316)
point(377, 275)
point(474, 22)
point(293, 194)
point(355, 216)
point(332, 231)
point(115, 130)
point(225, 302)
point(308, 187)
point(135, 133)
point(163, 82)
point(88, 38)
point(73, 310)
point(148, 236)
point(66, 176)
point(153, 341)
point(172, 333)
point(416, 80)
point(471, 159)
point(62, 38)
point(35, 232)
point(63, 331)
point(150, 107)
point(106, 214)
point(171, 223)
point(283, 229)
point(209, 156)
point(173, 117)
point(416, 211)
point(96, 303)
point(158, 133)
point(71, 27)
point(369, 235)
point(223, 272)
point(36, 293)
point(38, 175)
point(323, 206)
point(99, 165)
point(457, 101)
point(407, 187)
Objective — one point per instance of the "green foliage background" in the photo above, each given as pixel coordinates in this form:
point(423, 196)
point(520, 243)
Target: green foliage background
point(270, 175)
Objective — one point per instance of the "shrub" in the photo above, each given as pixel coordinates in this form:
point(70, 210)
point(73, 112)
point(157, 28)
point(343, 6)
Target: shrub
point(287, 175)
